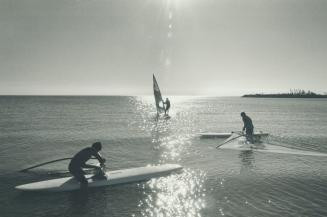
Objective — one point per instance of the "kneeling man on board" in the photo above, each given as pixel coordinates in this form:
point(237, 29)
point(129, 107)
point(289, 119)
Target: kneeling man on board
point(79, 161)
point(167, 103)
point(248, 127)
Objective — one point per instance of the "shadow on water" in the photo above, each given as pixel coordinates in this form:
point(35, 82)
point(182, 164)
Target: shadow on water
point(82, 202)
point(102, 201)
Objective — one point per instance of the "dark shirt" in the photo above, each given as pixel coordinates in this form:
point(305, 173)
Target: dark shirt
point(247, 123)
point(167, 103)
point(84, 155)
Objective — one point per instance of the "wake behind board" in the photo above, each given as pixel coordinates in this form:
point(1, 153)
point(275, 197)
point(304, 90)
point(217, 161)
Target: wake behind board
point(226, 135)
point(112, 178)
point(166, 116)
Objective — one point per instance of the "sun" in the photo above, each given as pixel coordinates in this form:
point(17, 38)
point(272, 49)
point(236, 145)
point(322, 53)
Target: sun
point(177, 4)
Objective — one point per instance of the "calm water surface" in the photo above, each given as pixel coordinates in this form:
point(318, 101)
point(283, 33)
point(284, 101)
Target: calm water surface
point(214, 182)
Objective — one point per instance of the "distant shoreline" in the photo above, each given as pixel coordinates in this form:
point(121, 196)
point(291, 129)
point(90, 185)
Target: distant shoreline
point(285, 95)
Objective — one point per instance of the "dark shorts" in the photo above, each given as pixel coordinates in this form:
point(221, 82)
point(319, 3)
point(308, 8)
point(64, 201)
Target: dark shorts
point(78, 173)
point(249, 132)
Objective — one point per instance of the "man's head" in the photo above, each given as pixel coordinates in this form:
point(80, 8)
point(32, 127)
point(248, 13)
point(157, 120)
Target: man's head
point(97, 146)
point(167, 99)
point(243, 114)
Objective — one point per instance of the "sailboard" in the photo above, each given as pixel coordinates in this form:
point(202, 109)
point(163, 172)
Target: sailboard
point(157, 96)
point(241, 144)
point(111, 178)
point(226, 135)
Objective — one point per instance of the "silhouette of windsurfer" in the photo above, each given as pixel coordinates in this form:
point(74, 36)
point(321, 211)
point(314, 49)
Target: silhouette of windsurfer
point(248, 127)
point(167, 107)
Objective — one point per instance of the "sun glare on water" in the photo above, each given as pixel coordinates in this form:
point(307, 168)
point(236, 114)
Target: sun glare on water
point(181, 194)
point(177, 195)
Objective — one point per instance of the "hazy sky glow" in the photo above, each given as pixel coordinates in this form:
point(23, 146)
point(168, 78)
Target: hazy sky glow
point(195, 47)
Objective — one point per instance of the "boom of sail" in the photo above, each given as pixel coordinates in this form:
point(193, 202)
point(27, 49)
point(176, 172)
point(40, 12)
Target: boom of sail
point(157, 96)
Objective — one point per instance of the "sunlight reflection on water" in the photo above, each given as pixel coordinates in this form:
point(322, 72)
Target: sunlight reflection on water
point(180, 194)
point(176, 195)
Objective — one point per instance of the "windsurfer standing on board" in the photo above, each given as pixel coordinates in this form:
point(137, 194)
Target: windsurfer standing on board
point(167, 103)
point(248, 127)
point(79, 161)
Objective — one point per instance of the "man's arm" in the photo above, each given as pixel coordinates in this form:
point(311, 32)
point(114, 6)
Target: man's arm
point(99, 157)
point(163, 105)
point(243, 124)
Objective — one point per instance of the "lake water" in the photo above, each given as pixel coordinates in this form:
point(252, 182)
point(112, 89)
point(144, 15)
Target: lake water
point(214, 182)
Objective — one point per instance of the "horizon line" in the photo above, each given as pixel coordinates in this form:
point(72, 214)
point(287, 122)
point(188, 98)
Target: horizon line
point(189, 95)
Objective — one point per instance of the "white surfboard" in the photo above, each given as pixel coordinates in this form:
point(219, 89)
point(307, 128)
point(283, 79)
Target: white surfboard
point(226, 135)
point(112, 178)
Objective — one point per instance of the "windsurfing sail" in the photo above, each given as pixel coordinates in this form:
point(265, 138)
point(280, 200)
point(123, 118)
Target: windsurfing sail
point(239, 142)
point(157, 96)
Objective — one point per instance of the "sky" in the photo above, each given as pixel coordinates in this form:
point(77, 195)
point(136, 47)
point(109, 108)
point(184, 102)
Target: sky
point(194, 47)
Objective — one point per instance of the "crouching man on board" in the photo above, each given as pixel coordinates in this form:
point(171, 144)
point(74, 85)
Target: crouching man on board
point(248, 127)
point(79, 161)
